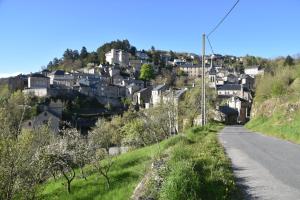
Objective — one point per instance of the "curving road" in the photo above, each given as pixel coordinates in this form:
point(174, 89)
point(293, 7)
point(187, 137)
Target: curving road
point(265, 167)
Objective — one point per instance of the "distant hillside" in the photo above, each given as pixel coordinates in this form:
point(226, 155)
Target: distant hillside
point(276, 108)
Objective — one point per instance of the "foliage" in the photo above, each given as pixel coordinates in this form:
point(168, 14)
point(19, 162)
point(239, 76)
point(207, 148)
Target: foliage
point(102, 162)
point(289, 61)
point(102, 134)
point(197, 153)
point(198, 168)
point(275, 110)
point(147, 72)
point(123, 45)
point(20, 169)
point(277, 83)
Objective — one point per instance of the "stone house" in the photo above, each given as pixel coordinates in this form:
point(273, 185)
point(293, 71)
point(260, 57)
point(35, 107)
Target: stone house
point(38, 81)
point(242, 106)
point(117, 56)
point(44, 118)
point(60, 78)
point(17, 83)
point(142, 97)
point(191, 70)
point(157, 92)
point(38, 85)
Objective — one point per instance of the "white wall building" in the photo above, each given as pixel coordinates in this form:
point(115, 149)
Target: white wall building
point(254, 71)
point(117, 57)
point(156, 95)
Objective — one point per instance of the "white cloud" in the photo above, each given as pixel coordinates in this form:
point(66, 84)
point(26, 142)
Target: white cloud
point(5, 75)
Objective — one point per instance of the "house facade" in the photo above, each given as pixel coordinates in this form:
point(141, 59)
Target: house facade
point(191, 70)
point(156, 95)
point(117, 56)
point(38, 81)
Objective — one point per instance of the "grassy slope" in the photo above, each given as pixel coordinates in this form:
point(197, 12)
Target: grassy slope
point(196, 154)
point(125, 174)
point(281, 125)
point(198, 168)
point(276, 94)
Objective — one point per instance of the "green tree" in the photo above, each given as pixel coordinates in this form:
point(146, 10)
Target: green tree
point(289, 61)
point(147, 72)
point(83, 53)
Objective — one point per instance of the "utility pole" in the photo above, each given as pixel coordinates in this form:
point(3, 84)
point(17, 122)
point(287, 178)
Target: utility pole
point(203, 109)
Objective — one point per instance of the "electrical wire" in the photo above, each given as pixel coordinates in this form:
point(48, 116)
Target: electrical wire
point(211, 48)
point(223, 19)
point(217, 26)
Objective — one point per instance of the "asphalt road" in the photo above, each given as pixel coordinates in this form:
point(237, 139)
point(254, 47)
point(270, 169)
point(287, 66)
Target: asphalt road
point(265, 167)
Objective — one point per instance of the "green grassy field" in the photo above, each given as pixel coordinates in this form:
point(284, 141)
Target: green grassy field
point(197, 168)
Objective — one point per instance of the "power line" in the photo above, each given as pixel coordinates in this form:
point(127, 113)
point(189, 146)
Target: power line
point(223, 19)
point(211, 48)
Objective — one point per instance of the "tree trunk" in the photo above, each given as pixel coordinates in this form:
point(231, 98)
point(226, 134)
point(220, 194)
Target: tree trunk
point(69, 186)
point(82, 173)
point(107, 181)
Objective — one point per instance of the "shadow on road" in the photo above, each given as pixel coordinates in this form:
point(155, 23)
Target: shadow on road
point(243, 188)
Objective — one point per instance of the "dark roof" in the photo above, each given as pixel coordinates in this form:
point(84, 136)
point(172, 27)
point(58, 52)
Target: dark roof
point(58, 72)
point(38, 75)
point(230, 87)
point(159, 87)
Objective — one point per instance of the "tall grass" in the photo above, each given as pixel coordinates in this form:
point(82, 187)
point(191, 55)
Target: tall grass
point(199, 169)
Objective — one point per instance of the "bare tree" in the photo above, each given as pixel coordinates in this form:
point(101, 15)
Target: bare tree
point(102, 163)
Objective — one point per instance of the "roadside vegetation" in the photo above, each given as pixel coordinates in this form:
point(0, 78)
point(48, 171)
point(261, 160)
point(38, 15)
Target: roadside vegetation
point(197, 168)
point(276, 108)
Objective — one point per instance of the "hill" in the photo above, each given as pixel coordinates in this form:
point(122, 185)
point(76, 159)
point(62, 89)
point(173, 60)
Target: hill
point(276, 108)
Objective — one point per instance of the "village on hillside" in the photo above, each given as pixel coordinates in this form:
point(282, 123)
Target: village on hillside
point(116, 85)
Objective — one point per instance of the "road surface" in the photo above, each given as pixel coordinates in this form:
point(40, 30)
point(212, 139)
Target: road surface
point(265, 167)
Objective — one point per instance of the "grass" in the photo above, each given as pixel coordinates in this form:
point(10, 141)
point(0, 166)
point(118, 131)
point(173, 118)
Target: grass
point(278, 125)
point(197, 169)
point(125, 174)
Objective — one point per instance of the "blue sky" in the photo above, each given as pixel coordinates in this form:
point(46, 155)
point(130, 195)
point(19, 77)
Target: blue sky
point(35, 31)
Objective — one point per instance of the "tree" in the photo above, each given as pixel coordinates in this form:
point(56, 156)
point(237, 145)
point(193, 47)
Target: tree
point(102, 163)
point(20, 169)
point(289, 61)
point(123, 45)
point(102, 134)
point(147, 72)
point(93, 58)
point(132, 50)
point(83, 53)
point(60, 156)
point(156, 58)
